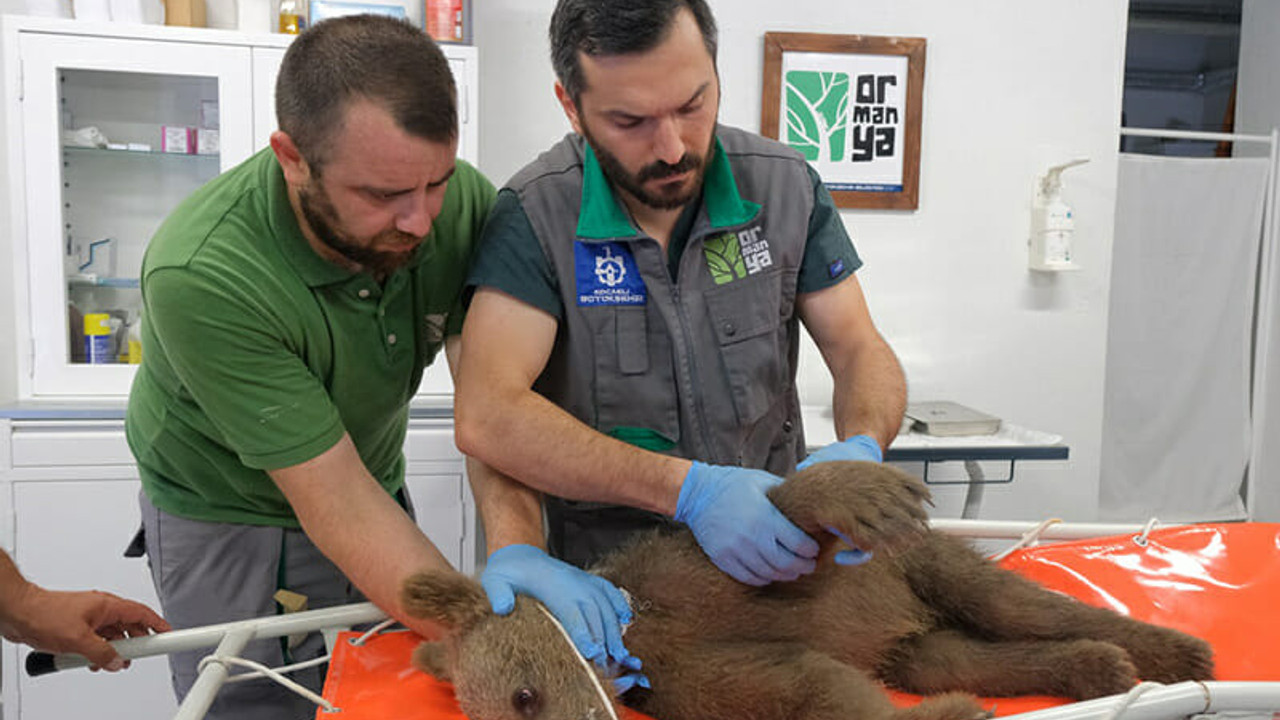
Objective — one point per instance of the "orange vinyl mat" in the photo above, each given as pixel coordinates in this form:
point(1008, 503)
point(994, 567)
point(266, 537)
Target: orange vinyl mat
point(1218, 582)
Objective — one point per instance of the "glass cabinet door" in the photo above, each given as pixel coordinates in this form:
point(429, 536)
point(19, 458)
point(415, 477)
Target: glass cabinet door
point(116, 133)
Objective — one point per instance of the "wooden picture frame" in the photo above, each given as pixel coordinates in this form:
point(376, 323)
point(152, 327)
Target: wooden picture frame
point(849, 112)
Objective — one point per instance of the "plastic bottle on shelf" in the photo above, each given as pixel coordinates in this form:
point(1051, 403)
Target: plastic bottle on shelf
point(135, 342)
point(131, 343)
point(97, 338)
point(293, 16)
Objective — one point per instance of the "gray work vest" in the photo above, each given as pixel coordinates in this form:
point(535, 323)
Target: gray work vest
point(702, 367)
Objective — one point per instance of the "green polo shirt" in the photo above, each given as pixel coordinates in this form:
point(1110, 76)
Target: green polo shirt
point(258, 354)
point(511, 258)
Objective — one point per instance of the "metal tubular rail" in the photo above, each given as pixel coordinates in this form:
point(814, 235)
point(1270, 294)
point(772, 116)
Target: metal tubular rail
point(229, 639)
point(1170, 702)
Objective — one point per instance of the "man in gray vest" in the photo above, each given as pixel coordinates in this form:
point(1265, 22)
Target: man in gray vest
point(630, 349)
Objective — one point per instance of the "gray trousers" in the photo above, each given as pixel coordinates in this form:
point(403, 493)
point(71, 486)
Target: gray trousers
point(207, 573)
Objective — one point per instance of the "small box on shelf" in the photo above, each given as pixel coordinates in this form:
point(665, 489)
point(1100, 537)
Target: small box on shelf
point(207, 142)
point(177, 139)
point(448, 20)
point(188, 13)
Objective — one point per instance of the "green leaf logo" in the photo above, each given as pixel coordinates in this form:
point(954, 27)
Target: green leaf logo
point(817, 105)
point(724, 258)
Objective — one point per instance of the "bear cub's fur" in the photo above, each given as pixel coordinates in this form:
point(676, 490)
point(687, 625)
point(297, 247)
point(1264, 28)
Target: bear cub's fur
point(926, 615)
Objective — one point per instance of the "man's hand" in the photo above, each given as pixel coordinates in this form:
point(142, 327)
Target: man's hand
point(858, 447)
point(589, 607)
point(739, 528)
point(78, 622)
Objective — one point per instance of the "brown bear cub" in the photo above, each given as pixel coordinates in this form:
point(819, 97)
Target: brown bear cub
point(926, 615)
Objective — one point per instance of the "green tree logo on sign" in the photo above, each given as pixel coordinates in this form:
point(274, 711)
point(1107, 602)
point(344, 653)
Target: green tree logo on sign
point(724, 258)
point(818, 113)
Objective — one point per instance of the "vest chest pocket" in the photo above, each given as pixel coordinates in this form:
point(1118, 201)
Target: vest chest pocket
point(635, 387)
point(747, 319)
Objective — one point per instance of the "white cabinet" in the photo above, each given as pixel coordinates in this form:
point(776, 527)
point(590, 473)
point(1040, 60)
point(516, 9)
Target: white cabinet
point(71, 534)
point(107, 131)
point(82, 214)
point(435, 477)
point(69, 506)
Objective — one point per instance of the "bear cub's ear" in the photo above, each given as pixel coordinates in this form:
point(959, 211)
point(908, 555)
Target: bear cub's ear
point(446, 597)
point(432, 658)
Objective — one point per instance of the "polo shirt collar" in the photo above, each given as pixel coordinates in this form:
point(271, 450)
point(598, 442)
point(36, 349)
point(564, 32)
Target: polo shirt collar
point(603, 216)
point(313, 269)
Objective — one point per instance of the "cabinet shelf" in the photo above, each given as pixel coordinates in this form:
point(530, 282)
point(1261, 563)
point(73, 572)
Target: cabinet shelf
point(82, 151)
point(96, 281)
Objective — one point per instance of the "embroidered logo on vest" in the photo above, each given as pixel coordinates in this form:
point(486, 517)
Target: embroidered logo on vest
point(736, 254)
point(607, 275)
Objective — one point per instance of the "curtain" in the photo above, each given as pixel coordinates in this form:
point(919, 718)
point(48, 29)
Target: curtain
point(1176, 414)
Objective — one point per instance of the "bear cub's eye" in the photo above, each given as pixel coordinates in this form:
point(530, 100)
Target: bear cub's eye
point(526, 702)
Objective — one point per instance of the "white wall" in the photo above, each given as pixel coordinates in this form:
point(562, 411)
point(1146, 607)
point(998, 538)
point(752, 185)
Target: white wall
point(1011, 86)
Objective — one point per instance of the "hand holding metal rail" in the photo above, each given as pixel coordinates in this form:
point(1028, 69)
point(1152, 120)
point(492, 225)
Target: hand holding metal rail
point(229, 639)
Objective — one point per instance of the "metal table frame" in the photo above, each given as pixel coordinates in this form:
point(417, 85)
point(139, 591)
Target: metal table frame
point(971, 457)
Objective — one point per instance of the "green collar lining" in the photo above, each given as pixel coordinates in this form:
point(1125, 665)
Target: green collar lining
point(603, 216)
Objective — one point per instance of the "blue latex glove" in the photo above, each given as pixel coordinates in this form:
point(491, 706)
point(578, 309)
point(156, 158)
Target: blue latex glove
point(623, 683)
point(854, 555)
point(742, 532)
point(589, 607)
point(858, 447)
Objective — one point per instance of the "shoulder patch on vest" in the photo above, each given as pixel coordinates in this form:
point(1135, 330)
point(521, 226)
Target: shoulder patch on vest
point(607, 275)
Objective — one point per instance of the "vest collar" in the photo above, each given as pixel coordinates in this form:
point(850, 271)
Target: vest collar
point(603, 216)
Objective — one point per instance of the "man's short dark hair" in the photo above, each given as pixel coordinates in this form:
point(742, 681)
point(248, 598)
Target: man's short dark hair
point(381, 59)
point(616, 27)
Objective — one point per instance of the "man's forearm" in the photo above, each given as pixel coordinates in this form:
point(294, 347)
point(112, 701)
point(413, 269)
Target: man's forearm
point(870, 394)
point(525, 436)
point(510, 511)
point(358, 526)
point(377, 546)
point(12, 588)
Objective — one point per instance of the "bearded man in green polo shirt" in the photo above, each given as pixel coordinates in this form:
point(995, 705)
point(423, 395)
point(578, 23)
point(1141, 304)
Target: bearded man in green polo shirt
point(291, 306)
point(632, 341)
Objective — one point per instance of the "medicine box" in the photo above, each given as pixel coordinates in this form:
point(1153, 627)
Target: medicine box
point(177, 139)
point(207, 141)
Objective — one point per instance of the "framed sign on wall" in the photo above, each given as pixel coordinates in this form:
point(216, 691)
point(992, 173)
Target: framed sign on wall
point(852, 105)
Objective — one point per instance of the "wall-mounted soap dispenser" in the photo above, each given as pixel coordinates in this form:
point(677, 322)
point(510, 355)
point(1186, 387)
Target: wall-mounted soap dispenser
point(1052, 223)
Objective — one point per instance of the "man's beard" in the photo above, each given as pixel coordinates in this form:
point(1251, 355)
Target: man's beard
point(634, 184)
point(321, 215)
